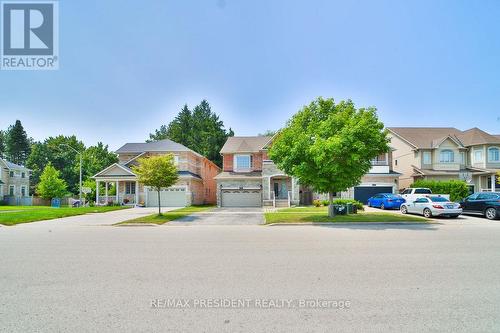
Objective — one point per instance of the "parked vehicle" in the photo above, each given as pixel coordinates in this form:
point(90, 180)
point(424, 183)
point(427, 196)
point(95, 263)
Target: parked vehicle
point(432, 205)
point(386, 201)
point(483, 203)
point(411, 194)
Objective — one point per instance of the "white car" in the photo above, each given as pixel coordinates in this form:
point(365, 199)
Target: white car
point(429, 206)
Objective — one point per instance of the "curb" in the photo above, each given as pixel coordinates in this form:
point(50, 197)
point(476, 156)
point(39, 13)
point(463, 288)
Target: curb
point(349, 223)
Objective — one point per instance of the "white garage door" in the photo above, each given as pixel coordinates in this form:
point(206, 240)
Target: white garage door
point(172, 197)
point(241, 198)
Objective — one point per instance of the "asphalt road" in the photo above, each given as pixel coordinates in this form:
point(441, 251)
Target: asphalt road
point(92, 277)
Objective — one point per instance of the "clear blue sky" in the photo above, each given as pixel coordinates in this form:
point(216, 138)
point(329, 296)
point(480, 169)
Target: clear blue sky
point(128, 66)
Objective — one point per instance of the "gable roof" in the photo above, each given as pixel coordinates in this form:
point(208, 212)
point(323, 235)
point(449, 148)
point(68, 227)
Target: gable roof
point(431, 137)
point(155, 146)
point(244, 144)
point(423, 137)
point(11, 165)
point(115, 169)
point(475, 136)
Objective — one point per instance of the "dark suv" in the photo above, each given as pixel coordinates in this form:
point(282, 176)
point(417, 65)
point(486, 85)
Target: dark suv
point(484, 203)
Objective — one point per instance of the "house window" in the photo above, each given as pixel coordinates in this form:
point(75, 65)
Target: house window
point(447, 156)
point(478, 156)
point(11, 174)
point(23, 174)
point(462, 158)
point(176, 159)
point(12, 190)
point(427, 157)
point(23, 191)
point(493, 154)
point(243, 162)
point(129, 187)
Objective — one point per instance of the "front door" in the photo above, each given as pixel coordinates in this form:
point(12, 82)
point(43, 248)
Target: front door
point(280, 189)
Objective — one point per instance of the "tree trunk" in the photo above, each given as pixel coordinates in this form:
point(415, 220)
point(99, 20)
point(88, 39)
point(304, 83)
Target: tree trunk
point(331, 211)
point(159, 203)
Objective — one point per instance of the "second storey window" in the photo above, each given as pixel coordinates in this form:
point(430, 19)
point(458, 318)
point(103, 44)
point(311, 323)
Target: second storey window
point(493, 154)
point(23, 175)
point(462, 158)
point(427, 157)
point(242, 162)
point(447, 156)
point(478, 156)
point(11, 174)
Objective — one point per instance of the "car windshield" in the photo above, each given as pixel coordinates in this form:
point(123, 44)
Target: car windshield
point(439, 199)
point(423, 191)
point(392, 196)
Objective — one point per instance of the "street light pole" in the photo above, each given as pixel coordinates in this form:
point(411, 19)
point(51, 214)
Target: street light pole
point(80, 153)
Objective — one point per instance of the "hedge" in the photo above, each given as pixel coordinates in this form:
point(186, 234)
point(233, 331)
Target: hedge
point(457, 189)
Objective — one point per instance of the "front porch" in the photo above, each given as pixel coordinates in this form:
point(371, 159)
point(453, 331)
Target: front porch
point(279, 191)
point(121, 192)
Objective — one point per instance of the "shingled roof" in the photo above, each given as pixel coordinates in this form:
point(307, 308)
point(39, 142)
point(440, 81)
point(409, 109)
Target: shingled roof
point(155, 146)
point(244, 144)
point(431, 137)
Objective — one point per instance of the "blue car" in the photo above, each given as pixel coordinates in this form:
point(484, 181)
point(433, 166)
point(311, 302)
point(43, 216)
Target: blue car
point(386, 201)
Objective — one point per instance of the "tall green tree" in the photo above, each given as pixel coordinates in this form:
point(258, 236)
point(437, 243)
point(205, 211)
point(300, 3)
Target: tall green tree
point(17, 144)
point(158, 172)
point(51, 185)
point(330, 146)
point(200, 130)
point(95, 159)
point(64, 159)
point(2, 144)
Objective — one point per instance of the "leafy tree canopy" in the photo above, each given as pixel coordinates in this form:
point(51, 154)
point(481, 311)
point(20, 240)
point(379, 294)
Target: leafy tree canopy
point(2, 144)
point(330, 146)
point(51, 185)
point(157, 172)
point(200, 130)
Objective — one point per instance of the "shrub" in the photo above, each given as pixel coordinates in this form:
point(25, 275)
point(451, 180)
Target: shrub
point(359, 205)
point(325, 202)
point(457, 189)
point(317, 203)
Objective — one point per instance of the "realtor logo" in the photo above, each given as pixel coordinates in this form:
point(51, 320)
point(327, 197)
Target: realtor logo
point(29, 35)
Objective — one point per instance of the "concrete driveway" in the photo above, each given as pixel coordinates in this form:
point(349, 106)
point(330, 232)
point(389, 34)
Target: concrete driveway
point(223, 216)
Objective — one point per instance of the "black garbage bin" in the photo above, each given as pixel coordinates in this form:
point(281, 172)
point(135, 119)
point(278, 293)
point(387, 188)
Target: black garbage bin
point(340, 209)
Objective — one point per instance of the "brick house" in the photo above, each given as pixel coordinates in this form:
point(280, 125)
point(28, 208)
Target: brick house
point(196, 184)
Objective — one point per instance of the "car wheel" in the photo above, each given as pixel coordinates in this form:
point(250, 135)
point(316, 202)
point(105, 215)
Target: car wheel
point(404, 210)
point(427, 213)
point(490, 213)
point(382, 206)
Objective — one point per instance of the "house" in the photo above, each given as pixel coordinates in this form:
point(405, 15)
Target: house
point(444, 153)
point(250, 179)
point(14, 180)
point(196, 184)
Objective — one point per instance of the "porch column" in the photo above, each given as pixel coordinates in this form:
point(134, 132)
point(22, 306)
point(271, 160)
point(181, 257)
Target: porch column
point(106, 191)
point(493, 185)
point(97, 192)
point(117, 191)
point(293, 188)
point(136, 192)
point(270, 197)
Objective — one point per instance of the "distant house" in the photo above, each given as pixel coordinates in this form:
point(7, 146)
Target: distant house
point(14, 180)
point(444, 153)
point(196, 183)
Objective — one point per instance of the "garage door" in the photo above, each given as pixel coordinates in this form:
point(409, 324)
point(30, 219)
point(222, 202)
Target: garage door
point(241, 198)
point(363, 193)
point(172, 197)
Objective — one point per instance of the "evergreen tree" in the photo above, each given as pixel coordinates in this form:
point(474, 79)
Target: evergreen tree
point(200, 130)
point(17, 144)
point(2, 144)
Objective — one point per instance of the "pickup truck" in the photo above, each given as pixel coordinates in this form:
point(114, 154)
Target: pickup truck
point(411, 194)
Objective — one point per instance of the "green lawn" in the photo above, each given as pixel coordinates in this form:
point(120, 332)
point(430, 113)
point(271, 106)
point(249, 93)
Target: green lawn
point(4, 208)
point(168, 216)
point(320, 214)
point(24, 214)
